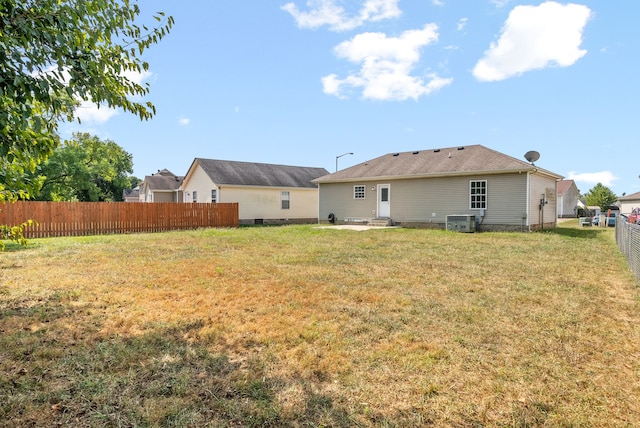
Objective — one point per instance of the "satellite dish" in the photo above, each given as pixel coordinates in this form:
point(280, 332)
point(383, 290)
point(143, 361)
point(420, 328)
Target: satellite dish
point(532, 156)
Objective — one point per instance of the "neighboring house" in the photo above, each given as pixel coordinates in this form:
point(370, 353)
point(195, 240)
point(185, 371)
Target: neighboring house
point(131, 195)
point(629, 202)
point(568, 199)
point(265, 193)
point(164, 186)
point(422, 188)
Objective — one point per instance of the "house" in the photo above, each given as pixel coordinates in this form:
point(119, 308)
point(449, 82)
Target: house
point(629, 202)
point(422, 188)
point(568, 199)
point(265, 193)
point(131, 195)
point(163, 186)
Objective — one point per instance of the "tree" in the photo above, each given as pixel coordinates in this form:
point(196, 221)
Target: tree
point(85, 169)
point(53, 54)
point(601, 196)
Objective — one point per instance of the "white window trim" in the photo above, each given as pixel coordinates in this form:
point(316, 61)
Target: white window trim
point(283, 199)
point(364, 192)
point(485, 203)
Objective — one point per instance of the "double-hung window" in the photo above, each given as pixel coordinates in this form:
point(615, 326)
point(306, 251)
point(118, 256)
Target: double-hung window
point(478, 194)
point(214, 195)
point(195, 196)
point(285, 198)
point(359, 192)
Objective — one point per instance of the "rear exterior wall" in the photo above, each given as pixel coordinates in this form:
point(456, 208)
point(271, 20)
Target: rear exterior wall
point(426, 202)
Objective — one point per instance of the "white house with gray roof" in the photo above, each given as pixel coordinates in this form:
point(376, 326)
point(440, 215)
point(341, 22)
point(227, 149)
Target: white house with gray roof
point(265, 193)
point(422, 188)
point(629, 202)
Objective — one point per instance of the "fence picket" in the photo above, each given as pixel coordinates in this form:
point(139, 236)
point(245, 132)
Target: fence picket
point(98, 218)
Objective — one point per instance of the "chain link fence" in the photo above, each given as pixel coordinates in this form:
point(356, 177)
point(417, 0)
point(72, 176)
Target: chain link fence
point(628, 239)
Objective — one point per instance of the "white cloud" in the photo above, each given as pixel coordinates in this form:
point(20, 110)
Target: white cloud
point(88, 112)
point(327, 12)
point(94, 114)
point(136, 77)
point(500, 3)
point(592, 178)
point(437, 2)
point(184, 121)
point(462, 23)
point(535, 37)
point(91, 113)
point(387, 62)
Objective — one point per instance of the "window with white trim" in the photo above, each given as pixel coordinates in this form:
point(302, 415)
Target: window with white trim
point(478, 194)
point(359, 192)
point(214, 195)
point(285, 198)
point(195, 196)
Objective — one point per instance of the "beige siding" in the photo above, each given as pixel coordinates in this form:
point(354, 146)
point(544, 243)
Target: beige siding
point(627, 206)
point(198, 181)
point(254, 202)
point(266, 202)
point(164, 196)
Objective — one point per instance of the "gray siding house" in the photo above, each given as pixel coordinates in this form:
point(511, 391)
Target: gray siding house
point(422, 188)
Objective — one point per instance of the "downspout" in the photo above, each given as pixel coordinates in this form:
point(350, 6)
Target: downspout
point(318, 206)
point(528, 203)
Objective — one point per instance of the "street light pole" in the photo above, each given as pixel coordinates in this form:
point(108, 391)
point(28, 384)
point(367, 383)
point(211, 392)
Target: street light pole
point(338, 157)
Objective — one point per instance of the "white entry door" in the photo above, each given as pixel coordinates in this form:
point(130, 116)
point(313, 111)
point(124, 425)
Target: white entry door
point(384, 200)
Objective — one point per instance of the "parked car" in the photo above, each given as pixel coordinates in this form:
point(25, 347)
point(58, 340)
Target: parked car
point(611, 221)
point(634, 217)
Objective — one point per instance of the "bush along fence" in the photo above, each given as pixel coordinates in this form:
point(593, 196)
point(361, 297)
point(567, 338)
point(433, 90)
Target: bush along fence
point(628, 239)
point(102, 218)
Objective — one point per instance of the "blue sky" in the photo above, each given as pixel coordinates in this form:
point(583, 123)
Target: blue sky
point(300, 82)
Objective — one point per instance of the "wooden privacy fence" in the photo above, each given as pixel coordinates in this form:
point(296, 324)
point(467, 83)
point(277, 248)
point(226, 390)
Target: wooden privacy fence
point(101, 218)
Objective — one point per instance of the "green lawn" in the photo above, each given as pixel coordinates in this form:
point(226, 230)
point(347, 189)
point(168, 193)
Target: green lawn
point(309, 326)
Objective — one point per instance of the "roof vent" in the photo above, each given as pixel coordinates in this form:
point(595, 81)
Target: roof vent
point(460, 148)
point(415, 153)
point(436, 150)
point(396, 154)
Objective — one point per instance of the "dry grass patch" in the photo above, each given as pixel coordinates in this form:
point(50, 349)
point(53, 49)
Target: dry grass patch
point(303, 326)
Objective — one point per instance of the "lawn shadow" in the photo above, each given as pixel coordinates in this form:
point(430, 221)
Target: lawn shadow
point(584, 232)
point(60, 368)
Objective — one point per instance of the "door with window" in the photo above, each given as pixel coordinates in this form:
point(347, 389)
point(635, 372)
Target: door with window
point(384, 200)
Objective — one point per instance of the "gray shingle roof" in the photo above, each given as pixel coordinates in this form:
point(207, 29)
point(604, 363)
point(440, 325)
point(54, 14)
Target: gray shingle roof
point(163, 180)
point(259, 174)
point(475, 159)
point(631, 197)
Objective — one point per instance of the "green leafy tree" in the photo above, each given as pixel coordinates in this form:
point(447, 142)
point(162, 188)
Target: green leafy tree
point(53, 54)
point(600, 196)
point(85, 169)
point(134, 182)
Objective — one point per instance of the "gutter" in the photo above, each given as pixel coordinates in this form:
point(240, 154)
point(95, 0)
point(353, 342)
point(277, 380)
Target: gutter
point(436, 175)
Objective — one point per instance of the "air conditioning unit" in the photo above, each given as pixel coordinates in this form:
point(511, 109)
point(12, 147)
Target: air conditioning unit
point(461, 223)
